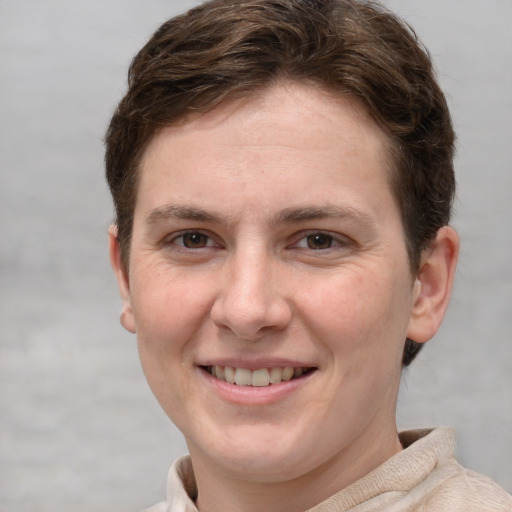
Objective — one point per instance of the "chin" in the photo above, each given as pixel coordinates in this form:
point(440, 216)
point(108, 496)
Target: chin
point(259, 456)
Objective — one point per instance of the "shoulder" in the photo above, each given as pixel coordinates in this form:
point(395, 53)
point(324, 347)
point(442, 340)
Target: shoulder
point(467, 491)
point(442, 484)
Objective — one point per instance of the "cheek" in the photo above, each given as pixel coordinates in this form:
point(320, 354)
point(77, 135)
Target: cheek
point(170, 314)
point(360, 317)
point(168, 309)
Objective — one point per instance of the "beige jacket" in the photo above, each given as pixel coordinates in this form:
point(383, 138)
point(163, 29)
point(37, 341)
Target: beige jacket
point(424, 477)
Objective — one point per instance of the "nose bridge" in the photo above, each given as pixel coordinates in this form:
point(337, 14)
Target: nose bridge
point(250, 300)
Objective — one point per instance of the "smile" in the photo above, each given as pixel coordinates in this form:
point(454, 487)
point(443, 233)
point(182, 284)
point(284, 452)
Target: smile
point(257, 378)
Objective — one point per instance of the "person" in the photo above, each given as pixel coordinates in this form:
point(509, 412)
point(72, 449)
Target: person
point(282, 174)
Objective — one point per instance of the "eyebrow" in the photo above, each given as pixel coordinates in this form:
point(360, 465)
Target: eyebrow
point(291, 215)
point(287, 216)
point(177, 211)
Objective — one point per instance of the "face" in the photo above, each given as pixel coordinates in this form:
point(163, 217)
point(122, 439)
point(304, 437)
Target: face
point(269, 283)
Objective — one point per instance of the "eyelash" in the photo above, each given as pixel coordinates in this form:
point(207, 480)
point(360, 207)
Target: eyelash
point(334, 241)
point(209, 241)
point(302, 242)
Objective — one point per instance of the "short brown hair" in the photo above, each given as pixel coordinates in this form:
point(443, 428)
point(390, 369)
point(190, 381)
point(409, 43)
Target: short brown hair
point(229, 48)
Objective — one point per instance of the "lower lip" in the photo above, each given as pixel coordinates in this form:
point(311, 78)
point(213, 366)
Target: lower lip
point(255, 395)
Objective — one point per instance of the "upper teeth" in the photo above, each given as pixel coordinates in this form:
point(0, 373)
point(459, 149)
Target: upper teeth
point(261, 377)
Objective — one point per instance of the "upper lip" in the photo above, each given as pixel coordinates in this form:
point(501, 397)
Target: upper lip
point(255, 364)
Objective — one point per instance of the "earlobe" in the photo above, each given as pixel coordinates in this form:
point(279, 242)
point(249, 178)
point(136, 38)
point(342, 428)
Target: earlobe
point(123, 283)
point(433, 285)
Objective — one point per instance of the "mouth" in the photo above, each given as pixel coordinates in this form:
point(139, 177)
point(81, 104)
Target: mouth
point(261, 377)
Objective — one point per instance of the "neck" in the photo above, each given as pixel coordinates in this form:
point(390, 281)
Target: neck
point(222, 491)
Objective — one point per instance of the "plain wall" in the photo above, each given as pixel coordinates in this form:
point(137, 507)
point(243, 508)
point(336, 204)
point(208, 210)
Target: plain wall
point(79, 428)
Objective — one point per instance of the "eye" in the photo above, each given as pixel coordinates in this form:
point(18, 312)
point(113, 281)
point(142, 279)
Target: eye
point(193, 240)
point(318, 241)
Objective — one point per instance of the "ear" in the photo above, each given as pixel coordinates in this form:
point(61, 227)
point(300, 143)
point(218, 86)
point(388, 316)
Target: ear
point(121, 273)
point(433, 285)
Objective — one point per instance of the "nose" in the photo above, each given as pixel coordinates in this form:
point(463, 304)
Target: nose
point(251, 301)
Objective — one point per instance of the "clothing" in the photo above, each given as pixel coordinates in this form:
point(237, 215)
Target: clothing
point(424, 477)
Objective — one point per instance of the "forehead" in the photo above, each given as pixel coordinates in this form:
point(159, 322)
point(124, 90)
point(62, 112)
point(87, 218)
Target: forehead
point(289, 132)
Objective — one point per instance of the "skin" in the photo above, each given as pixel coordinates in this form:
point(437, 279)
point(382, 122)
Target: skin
point(296, 256)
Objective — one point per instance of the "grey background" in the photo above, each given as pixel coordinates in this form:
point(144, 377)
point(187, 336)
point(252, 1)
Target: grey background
point(79, 428)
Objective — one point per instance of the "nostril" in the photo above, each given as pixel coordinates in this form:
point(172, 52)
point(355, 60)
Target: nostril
point(250, 303)
point(251, 323)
